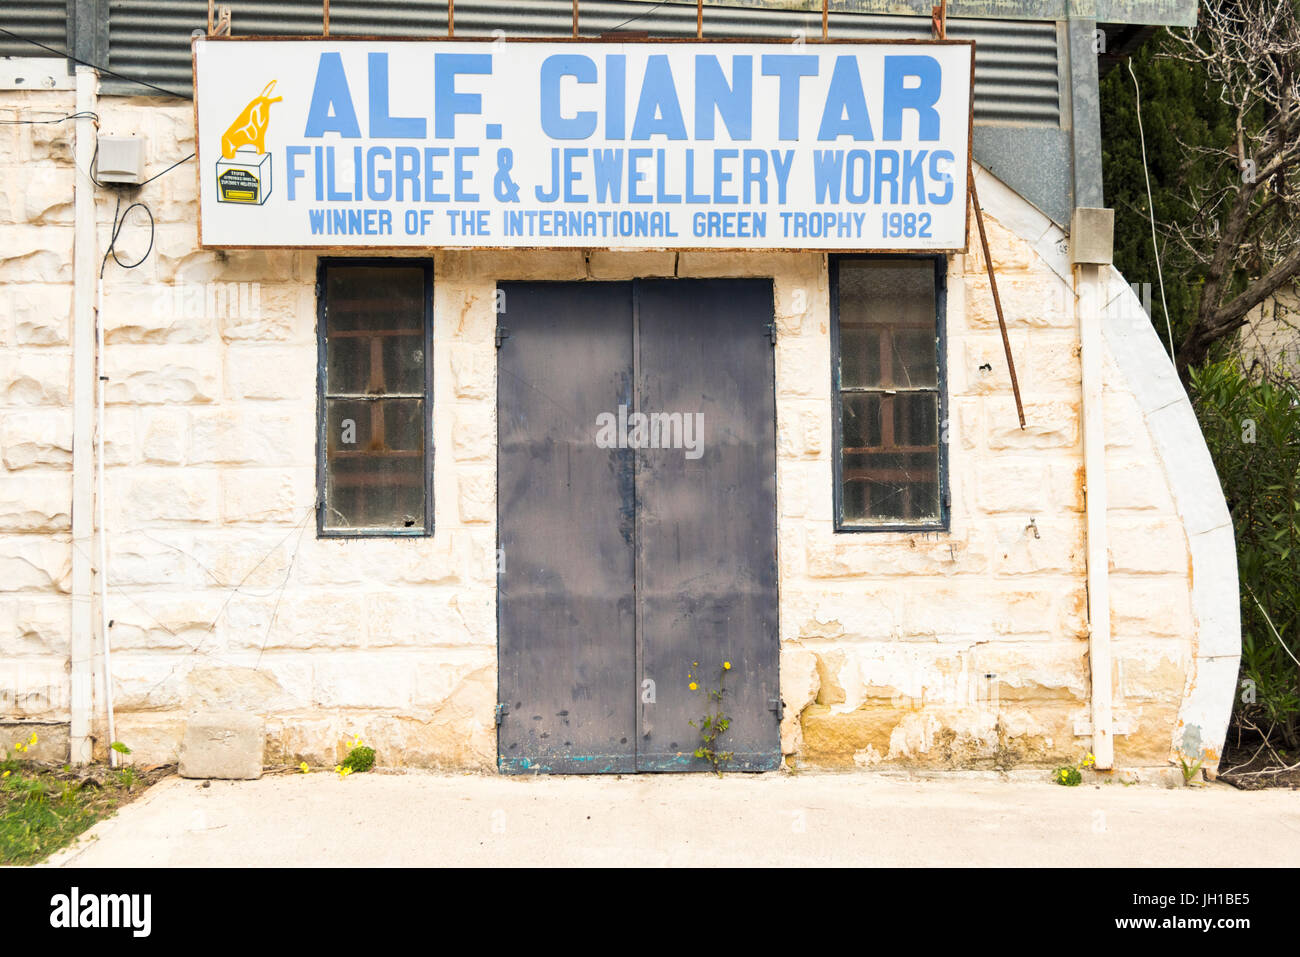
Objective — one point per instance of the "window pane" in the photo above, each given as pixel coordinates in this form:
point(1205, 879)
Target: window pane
point(375, 400)
point(378, 363)
point(889, 399)
point(887, 324)
point(374, 330)
point(861, 426)
point(374, 466)
point(890, 456)
point(367, 297)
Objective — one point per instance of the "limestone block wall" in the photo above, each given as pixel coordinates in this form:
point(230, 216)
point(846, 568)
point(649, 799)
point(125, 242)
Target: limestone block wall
point(966, 648)
point(959, 649)
point(36, 186)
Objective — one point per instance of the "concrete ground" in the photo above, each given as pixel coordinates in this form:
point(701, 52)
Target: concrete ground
point(795, 820)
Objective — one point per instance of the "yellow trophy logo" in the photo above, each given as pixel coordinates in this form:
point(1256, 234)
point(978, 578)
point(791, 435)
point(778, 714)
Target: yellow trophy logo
point(244, 170)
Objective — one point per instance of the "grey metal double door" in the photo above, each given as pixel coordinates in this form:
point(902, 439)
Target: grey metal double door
point(636, 515)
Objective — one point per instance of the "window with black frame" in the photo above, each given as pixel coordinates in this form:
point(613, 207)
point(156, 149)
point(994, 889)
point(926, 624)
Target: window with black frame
point(889, 404)
point(375, 466)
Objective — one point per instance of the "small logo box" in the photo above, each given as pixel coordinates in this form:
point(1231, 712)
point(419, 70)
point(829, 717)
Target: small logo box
point(244, 179)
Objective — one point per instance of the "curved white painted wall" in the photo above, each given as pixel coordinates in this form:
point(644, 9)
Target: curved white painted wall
point(1149, 376)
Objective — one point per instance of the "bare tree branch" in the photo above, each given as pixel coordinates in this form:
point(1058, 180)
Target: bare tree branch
point(1243, 222)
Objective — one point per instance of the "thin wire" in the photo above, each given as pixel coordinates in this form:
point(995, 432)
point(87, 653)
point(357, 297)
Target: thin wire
point(634, 19)
point(1151, 209)
point(167, 170)
point(1271, 626)
point(94, 66)
point(117, 229)
point(83, 115)
point(280, 596)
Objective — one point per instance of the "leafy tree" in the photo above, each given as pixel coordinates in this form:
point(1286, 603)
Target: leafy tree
point(1179, 105)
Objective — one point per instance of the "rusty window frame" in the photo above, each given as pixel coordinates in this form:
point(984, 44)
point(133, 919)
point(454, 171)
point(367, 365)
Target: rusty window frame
point(943, 521)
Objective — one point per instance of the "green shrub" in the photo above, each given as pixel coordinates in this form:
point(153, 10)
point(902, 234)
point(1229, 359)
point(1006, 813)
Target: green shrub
point(360, 758)
point(1253, 432)
point(1068, 776)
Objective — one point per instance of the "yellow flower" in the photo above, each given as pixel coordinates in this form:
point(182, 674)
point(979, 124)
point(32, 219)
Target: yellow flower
point(726, 666)
point(303, 767)
point(338, 768)
point(32, 740)
point(20, 747)
point(5, 775)
point(694, 686)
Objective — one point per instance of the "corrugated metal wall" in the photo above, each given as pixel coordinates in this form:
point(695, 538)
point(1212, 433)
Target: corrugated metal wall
point(45, 21)
point(1017, 74)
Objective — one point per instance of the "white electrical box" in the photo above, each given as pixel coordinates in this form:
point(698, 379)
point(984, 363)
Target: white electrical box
point(120, 160)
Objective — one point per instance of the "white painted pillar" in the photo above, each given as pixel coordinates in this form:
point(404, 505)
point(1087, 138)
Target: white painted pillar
point(1088, 287)
point(85, 252)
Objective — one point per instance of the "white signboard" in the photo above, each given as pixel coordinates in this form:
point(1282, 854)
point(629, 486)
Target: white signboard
point(511, 143)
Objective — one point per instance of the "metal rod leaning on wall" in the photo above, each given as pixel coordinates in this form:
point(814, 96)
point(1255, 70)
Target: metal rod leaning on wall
point(939, 26)
point(451, 18)
point(325, 16)
point(575, 19)
point(826, 19)
point(699, 19)
point(993, 285)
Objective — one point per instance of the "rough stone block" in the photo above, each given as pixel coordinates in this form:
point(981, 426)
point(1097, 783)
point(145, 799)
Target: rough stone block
point(51, 739)
point(803, 367)
point(1047, 424)
point(38, 564)
point(226, 745)
point(474, 436)
point(1010, 252)
point(1030, 302)
point(30, 439)
point(472, 369)
point(270, 372)
point(1151, 546)
point(36, 503)
point(172, 375)
point(508, 264)
point(154, 737)
point(619, 264)
point(33, 688)
point(1014, 486)
point(477, 490)
point(36, 377)
point(42, 314)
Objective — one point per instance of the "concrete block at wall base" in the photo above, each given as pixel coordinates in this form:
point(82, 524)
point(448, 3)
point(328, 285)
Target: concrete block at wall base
point(223, 744)
point(51, 740)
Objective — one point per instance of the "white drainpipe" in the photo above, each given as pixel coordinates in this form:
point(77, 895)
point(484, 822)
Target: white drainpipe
point(100, 488)
point(1089, 306)
point(85, 283)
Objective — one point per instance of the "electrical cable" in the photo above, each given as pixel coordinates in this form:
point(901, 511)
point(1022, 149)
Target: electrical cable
point(83, 115)
point(1151, 209)
point(117, 229)
point(167, 170)
point(644, 13)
